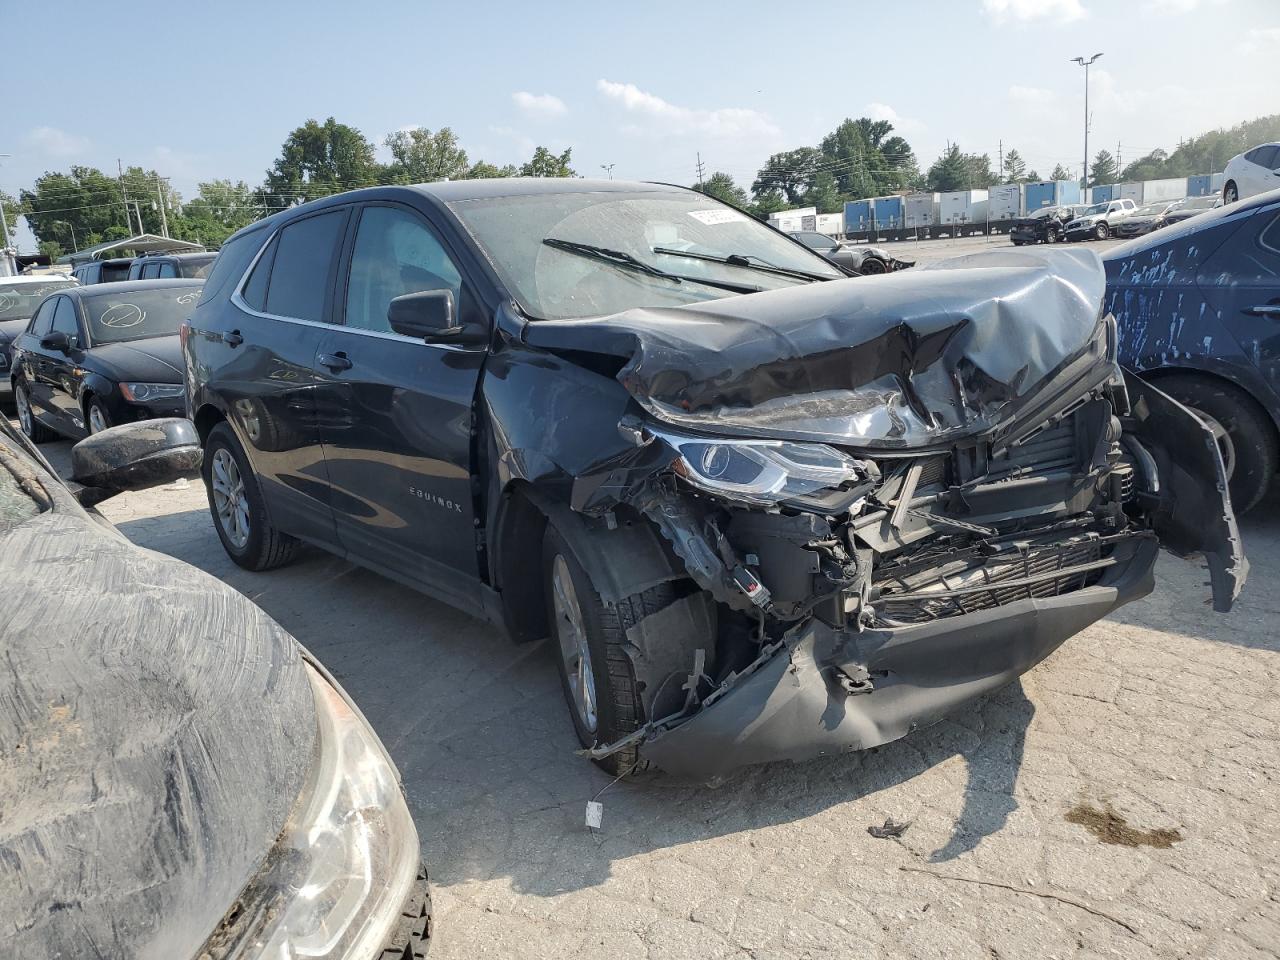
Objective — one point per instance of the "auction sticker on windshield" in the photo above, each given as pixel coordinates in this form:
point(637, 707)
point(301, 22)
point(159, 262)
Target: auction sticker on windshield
point(712, 217)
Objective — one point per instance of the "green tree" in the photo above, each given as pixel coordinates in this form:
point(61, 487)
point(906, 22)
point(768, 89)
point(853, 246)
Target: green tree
point(51, 249)
point(951, 171)
point(767, 202)
point(789, 173)
point(824, 194)
point(84, 200)
point(866, 161)
point(218, 210)
point(722, 187)
point(319, 159)
point(483, 170)
point(1015, 168)
point(1154, 166)
point(1060, 173)
point(1033, 177)
point(1103, 169)
point(979, 173)
point(544, 163)
point(420, 156)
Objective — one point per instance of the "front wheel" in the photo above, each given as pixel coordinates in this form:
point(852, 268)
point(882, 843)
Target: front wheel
point(1102, 231)
point(96, 416)
point(35, 431)
point(238, 509)
point(1230, 193)
point(1018, 243)
point(872, 265)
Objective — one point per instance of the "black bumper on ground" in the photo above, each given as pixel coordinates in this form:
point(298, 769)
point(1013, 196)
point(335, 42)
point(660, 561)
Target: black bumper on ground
point(794, 706)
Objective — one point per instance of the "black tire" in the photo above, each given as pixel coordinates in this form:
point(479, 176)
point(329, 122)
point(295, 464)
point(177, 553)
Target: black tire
point(35, 431)
point(1018, 243)
point(873, 265)
point(1053, 236)
point(1102, 231)
point(620, 706)
point(411, 938)
point(266, 547)
point(1230, 192)
point(96, 404)
point(1251, 434)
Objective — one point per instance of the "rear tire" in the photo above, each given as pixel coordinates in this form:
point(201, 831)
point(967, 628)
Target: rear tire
point(35, 431)
point(251, 541)
point(1248, 442)
point(1230, 193)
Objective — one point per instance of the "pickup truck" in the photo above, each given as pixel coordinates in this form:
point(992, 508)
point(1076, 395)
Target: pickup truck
point(1097, 222)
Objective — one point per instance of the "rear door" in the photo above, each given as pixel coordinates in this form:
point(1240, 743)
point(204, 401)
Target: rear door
point(63, 371)
point(395, 413)
point(32, 359)
point(266, 379)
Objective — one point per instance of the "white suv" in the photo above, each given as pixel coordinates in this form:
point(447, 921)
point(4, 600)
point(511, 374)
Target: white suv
point(1098, 220)
point(1254, 171)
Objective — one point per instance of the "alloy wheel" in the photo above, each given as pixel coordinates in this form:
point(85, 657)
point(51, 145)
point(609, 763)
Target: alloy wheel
point(1230, 194)
point(574, 652)
point(1226, 446)
point(97, 422)
point(230, 502)
point(23, 403)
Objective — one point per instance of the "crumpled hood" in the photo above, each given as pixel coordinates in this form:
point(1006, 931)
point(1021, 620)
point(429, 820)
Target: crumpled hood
point(153, 360)
point(156, 728)
point(892, 361)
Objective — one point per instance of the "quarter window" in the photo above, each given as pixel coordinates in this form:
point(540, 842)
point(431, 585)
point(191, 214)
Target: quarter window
point(395, 253)
point(301, 266)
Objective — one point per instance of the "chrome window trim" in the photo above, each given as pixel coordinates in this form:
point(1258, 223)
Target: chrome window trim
point(241, 304)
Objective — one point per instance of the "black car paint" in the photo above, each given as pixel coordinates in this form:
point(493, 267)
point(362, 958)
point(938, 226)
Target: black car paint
point(60, 382)
point(160, 730)
point(480, 446)
point(1186, 299)
point(850, 257)
point(1044, 226)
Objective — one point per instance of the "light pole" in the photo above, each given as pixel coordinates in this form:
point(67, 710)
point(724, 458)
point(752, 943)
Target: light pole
point(608, 168)
point(1084, 171)
point(75, 247)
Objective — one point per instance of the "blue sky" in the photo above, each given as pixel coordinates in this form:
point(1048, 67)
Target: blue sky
point(644, 87)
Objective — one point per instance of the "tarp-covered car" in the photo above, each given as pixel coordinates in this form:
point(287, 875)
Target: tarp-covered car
point(763, 510)
point(179, 779)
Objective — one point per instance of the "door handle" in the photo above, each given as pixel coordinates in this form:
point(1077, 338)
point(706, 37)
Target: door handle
point(232, 339)
point(335, 361)
point(1265, 310)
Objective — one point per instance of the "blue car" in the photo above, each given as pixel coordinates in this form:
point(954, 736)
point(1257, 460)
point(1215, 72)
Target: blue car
point(1198, 309)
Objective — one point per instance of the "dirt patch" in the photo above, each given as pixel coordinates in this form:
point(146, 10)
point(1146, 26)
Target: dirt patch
point(1109, 827)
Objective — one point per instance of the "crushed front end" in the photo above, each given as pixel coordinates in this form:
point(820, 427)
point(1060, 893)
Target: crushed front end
point(873, 574)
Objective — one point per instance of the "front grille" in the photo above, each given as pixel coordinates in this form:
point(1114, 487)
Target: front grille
point(1051, 450)
point(968, 586)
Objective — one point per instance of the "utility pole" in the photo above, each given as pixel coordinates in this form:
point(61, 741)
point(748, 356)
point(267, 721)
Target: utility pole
point(164, 217)
point(1084, 171)
point(1000, 169)
point(1119, 164)
point(124, 195)
point(699, 169)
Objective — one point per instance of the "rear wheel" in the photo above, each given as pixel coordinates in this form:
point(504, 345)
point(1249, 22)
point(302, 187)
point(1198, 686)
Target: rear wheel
point(1230, 192)
point(36, 431)
point(239, 511)
point(1102, 231)
point(1246, 438)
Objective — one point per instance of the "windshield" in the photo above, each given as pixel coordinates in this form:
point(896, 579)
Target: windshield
point(18, 301)
point(1091, 210)
point(139, 314)
point(553, 282)
point(1198, 203)
point(195, 268)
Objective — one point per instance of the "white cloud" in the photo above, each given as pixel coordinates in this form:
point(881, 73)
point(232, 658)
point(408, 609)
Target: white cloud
point(1025, 11)
point(1178, 6)
point(1034, 96)
point(539, 106)
point(882, 111)
point(55, 142)
point(1260, 39)
point(671, 118)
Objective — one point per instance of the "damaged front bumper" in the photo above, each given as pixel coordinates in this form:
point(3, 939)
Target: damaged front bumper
point(795, 703)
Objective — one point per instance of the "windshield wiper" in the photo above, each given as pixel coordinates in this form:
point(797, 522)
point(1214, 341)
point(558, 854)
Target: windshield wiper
point(620, 258)
point(745, 262)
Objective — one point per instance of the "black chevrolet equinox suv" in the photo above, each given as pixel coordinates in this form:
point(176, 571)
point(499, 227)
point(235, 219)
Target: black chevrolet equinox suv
point(763, 509)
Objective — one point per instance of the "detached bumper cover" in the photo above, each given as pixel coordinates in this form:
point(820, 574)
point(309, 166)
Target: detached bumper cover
point(794, 706)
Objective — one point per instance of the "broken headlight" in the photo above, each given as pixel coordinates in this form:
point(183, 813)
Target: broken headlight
point(761, 471)
point(335, 882)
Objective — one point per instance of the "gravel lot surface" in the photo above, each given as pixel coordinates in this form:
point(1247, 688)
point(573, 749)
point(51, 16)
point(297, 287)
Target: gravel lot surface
point(1123, 800)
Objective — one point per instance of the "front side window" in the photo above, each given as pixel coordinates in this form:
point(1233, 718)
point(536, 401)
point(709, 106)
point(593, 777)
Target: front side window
point(139, 314)
point(673, 232)
point(150, 271)
point(816, 241)
point(18, 301)
point(42, 322)
point(304, 253)
point(64, 318)
point(395, 253)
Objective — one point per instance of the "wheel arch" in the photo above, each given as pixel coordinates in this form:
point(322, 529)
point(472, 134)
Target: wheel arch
point(206, 418)
point(1269, 412)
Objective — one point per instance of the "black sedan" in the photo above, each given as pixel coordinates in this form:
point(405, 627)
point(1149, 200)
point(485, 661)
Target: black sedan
point(19, 297)
point(854, 258)
point(178, 777)
point(1047, 225)
point(1145, 219)
point(103, 354)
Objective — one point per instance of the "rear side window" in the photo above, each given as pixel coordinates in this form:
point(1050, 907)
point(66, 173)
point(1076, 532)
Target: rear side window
point(301, 268)
point(1263, 156)
point(165, 271)
point(255, 291)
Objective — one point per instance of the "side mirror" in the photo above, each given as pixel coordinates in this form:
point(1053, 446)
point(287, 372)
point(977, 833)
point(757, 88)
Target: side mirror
point(57, 341)
point(430, 315)
point(135, 456)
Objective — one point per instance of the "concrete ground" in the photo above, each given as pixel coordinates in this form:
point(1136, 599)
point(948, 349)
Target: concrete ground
point(1122, 800)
